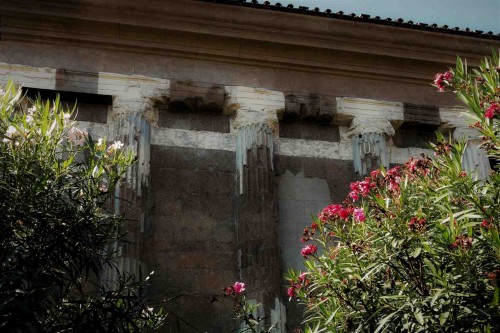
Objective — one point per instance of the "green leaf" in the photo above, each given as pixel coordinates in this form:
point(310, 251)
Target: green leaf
point(431, 266)
point(384, 320)
point(331, 316)
point(443, 317)
point(496, 297)
point(436, 296)
point(416, 252)
point(419, 317)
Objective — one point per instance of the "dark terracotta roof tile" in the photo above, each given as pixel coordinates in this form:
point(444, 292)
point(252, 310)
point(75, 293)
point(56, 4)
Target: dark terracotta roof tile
point(360, 18)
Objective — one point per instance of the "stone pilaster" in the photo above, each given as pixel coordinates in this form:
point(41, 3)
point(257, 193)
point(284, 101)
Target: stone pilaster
point(131, 118)
point(255, 115)
point(370, 124)
point(133, 113)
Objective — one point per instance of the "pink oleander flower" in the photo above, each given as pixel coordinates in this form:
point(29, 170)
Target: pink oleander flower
point(438, 81)
point(344, 213)
point(416, 224)
point(448, 76)
point(290, 292)
point(361, 188)
point(238, 287)
point(359, 214)
point(492, 110)
point(329, 212)
point(440, 78)
point(393, 176)
point(487, 224)
point(412, 164)
point(228, 291)
point(303, 278)
point(308, 250)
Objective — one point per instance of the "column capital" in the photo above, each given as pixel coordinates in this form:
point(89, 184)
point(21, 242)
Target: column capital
point(368, 116)
point(364, 125)
point(456, 120)
point(254, 106)
point(475, 158)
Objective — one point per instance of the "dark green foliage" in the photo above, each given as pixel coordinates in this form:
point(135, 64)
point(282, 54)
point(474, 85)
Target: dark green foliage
point(55, 233)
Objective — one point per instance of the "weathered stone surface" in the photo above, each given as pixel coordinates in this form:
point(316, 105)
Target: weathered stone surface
point(315, 107)
point(413, 135)
point(129, 51)
point(191, 96)
point(475, 160)
point(255, 120)
point(254, 106)
point(369, 152)
point(192, 241)
point(305, 186)
point(309, 130)
point(194, 121)
point(421, 114)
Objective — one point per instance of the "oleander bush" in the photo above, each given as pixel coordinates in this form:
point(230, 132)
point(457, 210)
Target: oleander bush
point(55, 230)
point(246, 313)
point(415, 248)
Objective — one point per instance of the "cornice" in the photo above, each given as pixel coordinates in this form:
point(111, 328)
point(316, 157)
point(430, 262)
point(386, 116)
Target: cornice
point(200, 30)
point(340, 15)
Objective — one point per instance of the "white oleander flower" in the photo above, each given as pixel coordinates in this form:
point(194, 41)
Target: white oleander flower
point(117, 145)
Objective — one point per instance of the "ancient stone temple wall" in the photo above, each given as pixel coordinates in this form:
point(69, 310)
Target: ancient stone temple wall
point(218, 193)
point(244, 123)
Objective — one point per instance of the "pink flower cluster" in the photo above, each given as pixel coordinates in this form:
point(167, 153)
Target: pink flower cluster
point(418, 166)
point(416, 224)
point(463, 241)
point(493, 275)
point(333, 211)
point(361, 188)
point(412, 164)
point(393, 176)
point(302, 281)
point(486, 224)
point(440, 78)
point(308, 250)
point(492, 110)
point(359, 214)
point(236, 289)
